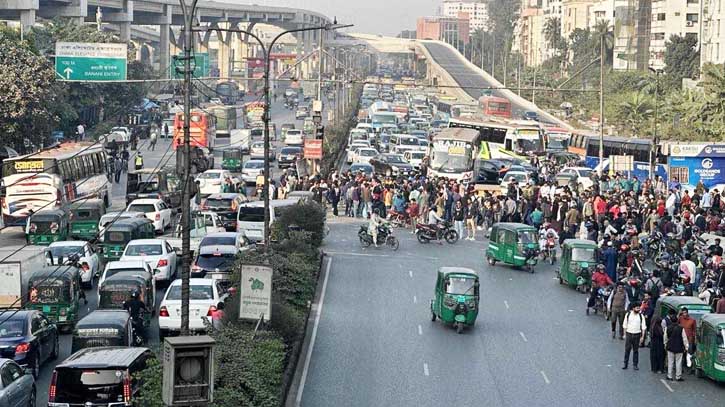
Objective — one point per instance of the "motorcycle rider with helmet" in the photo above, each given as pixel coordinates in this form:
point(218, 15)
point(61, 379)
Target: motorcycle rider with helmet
point(600, 281)
point(547, 233)
point(135, 307)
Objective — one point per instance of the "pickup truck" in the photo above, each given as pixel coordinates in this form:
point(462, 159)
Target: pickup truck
point(202, 223)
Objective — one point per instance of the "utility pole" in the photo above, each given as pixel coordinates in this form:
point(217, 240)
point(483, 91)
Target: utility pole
point(655, 139)
point(601, 103)
point(319, 70)
point(186, 151)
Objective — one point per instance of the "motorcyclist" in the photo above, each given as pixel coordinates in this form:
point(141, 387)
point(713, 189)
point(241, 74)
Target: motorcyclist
point(433, 221)
point(546, 234)
point(600, 280)
point(135, 308)
point(373, 225)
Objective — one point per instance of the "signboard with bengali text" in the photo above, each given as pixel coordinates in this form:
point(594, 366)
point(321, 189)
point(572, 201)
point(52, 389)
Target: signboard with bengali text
point(313, 149)
point(90, 62)
point(256, 292)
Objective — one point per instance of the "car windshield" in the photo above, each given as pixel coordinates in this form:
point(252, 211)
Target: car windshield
point(143, 208)
point(113, 271)
point(417, 156)
point(460, 285)
point(13, 328)
point(144, 250)
point(367, 153)
point(395, 159)
point(585, 172)
point(515, 177)
point(254, 165)
point(251, 214)
point(363, 168)
point(210, 175)
point(528, 236)
point(218, 203)
point(580, 254)
point(64, 251)
point(409, 141)
point(196, 292)
point(88, 386)
point(218, 241)
point(213, 261)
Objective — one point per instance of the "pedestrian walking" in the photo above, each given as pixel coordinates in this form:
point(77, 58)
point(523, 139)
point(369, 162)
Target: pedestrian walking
point(635, 328)
point(81, 129)
point(152, 140)
point(675, 343)
point(118, 168)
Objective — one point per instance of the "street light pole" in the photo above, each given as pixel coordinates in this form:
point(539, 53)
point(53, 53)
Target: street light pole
point(655, 140)
point(601, 104)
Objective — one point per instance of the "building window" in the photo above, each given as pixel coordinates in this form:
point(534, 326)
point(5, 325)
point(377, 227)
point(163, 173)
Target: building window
point(658, 36)
point(692, 1)
point(661, 16)
point(691, 17)
point(691, 35)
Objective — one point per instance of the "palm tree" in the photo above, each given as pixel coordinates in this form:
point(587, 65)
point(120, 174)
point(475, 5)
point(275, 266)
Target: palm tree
point(603, 32)
point(636, 110)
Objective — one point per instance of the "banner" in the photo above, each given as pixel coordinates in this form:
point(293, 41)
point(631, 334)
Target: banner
point(255, 292)
point(691, 170)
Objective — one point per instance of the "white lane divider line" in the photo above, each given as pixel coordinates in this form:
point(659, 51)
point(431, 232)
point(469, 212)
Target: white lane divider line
point(425, 369)
point(667, 385)
point(506, 303)
point(420, 330)
point(415, 299)
point(410, 272)
point(546, 379)
point(523, 336)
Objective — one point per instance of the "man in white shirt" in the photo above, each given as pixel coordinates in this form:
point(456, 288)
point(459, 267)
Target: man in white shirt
point(81, 132)
point(635, 327)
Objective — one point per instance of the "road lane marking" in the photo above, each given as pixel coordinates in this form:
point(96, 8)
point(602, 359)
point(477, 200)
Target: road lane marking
point(336, 253)
point(415, 299)
point(308, 357)
point(425, 369)
point(420, 330)
point(410, 272)
point(506, 303)
point(667, 385)
point(546, 379)
point(523, 336)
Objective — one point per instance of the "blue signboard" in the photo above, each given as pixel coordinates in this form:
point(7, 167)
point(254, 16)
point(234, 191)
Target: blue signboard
point(691, 170)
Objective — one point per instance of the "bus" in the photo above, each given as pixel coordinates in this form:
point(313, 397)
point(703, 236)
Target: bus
point(495, 106)
point(587, 147)
point(502, 138)
point(381, 119)
point(453, 153)
point(226, 121)
point(51, 179)
point(202, 129)
point(228, 92)
point(556, 138)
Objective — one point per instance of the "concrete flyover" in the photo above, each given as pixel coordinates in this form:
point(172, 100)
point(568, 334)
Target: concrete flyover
point(165, 14)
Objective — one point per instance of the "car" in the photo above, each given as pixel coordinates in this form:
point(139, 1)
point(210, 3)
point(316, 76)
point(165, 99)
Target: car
point(302, 112)
point(122, 130)
point(205, 295)
point(213, 181)
point(423, 145)
point(488, 171)
point(366, 169)
point(583, 175)
point(155, 209)
point(235, 239)
point(354, 146)
point(391, 165)
point(256, 151)
point(215, 261)
point(28, 338)
point(286, 127)
point(114, 217)
point(115, 267)
point(421, 134)
point(225, 205)
point(251, 170)
point(17, 388)
point(99, 376)
point(288, 156)
point(363, 155)
point(90, 262)
point(383, 142)
point(520, 177)
point(294, 137)
point(157, 253)
point(530, 115)
point(414, 158)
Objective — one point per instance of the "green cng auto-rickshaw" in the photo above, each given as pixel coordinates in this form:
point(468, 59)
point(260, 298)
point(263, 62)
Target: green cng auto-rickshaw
point(117, 236)
point(55, 290)
point(456, 297)
point(84, 217)
point(47, 226)
point(696, 307)
point(578, 260)
point(514, 244)
point(232, 159)
point(710, 352)
point(117, 289)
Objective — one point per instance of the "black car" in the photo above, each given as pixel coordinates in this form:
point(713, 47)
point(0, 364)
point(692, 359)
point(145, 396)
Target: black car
point(488, 171)
point(225, 205)
point(391, 165)
point(216, 261)
point(28, 338)
point(530, 115)
point(102, 376)
point(288, 156)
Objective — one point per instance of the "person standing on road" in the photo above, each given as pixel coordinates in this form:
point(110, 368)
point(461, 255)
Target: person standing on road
point(118, 168)
point(459, 215)
point(634, 329)
point(81, 131)
point(657, 346)
point(138, 161)
point(675, 343)
point(690, 326)
point(152, 140)
point(617, 304)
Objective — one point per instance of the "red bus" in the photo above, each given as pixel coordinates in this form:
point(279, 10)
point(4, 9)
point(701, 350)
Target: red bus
point(202, 129)
point(495, 106)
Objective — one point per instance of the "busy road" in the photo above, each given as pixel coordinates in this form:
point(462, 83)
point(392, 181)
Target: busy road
point(532, 344)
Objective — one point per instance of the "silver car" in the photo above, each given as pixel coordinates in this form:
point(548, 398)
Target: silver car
point(17, 388)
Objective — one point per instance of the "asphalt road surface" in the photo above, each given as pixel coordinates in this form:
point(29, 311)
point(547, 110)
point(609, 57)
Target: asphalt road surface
point(532, 344)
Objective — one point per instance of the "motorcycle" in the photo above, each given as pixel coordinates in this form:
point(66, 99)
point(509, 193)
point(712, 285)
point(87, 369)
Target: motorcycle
point(600, 302)
point(385, 237)
point(399, 219)
point(137, 323)
point(549, 251)
point(532, 257)
point(426, 233)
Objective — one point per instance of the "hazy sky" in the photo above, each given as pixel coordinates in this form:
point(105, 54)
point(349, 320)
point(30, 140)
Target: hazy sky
point(387, 17)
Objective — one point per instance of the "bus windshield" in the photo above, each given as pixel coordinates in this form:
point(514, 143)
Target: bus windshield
point(525, 145)
point(452, 155)
point(385, 118)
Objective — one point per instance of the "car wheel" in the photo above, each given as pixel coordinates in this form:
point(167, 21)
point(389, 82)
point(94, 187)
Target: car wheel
point(56, 349)
point(31, 400)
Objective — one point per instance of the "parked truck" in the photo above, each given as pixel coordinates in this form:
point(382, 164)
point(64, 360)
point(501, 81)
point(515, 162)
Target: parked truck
point(15, 270)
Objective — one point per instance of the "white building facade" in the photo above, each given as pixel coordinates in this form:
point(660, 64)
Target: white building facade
point(477, 12)
point(713, 32)
point(672, 17)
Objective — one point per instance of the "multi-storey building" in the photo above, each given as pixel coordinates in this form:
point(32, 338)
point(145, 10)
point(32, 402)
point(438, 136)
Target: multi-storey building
point(713, 32)
point(575, 14)
point(477, 11)
point(671, 17)
point(453, 30)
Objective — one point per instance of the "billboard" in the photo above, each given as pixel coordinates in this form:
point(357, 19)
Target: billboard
point(691, 170)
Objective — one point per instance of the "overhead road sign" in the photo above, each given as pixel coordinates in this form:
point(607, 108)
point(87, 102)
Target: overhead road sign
point(199, 66)
point(90, 62)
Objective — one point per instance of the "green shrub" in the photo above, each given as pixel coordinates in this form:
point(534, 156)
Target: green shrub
point(287, 321)
point(151, 378)
point(307, 216)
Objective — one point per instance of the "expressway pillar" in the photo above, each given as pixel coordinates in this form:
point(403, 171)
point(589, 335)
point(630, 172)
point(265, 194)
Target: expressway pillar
point(308, 51)
point(298, 50)
point(27, 19)
point(123, 18)
point(224, 55)
point(164, 53)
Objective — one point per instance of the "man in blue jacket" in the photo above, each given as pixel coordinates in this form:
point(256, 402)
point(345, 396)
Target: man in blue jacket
point(610, 261)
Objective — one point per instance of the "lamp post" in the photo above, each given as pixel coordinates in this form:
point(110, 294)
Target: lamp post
point(655, 139)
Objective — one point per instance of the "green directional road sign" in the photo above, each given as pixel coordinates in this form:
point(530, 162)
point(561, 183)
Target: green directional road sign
point(90, 62)
point(200, 64)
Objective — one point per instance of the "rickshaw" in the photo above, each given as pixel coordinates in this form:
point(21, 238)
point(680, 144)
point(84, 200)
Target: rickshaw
point(578, 260)
point(232, 160)
point(710, 352)
point(117, 289)
point(117, 236)
point(456, 297)
point(696, 307)
point(514, 244)
point(56, 291)
point(47, 226)
point(84, 217)
point(103, 328)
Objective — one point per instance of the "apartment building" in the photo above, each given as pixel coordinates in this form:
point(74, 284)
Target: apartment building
point(575, 14)
point(477, 12)
point(601, 11)
point(453, 30)
point(713, 32)
point(672, 17)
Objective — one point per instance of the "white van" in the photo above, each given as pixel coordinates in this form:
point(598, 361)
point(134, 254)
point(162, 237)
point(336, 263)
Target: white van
point(250, 217)
point(294, 137)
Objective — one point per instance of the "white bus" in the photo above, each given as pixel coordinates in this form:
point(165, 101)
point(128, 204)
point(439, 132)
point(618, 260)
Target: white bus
point(500, 138)
point(52, 178)
point(453, 153)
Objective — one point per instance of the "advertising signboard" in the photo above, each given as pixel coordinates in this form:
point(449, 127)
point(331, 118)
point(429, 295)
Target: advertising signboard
point(255, 292)
point(313, 149)
point(691, 170)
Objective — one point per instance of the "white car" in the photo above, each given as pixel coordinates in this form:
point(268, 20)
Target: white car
point(135, 266)
point(354, 146)
point(205, 295)
point(583, 175)
point(414, 158)
point(256, 151)
point(124, 131)
point(88, 259)
point(157, 253)
point(212, 181)
point(115, 217)
point(251, 170)
point(155, 209)
point(519, 176)
point(363, 155)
